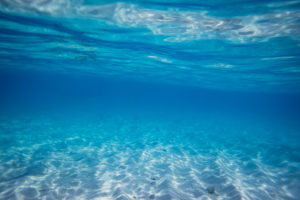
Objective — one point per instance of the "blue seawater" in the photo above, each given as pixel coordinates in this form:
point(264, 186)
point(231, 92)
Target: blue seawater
point(149, 100)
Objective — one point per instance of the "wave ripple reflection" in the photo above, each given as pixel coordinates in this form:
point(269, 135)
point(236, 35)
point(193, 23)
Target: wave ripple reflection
point(227, 45)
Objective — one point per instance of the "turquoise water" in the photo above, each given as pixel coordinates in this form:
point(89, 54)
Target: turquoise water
point(145, 100)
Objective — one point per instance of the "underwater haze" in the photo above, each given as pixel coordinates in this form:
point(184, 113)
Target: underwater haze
point(149, 100)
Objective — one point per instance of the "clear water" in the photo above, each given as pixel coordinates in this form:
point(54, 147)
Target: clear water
point(149, 100)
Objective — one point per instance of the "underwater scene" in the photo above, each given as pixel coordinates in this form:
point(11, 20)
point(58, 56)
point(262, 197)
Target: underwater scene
point(149, 100)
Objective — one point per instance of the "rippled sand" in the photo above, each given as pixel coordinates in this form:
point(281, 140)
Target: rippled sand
point(132, 158)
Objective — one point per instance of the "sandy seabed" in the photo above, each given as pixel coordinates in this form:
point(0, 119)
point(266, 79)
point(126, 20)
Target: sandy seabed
point(122, 158)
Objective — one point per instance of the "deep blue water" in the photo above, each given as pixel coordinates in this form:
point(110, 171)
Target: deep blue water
point(142, 100)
